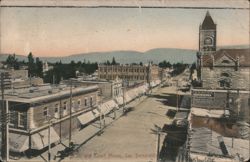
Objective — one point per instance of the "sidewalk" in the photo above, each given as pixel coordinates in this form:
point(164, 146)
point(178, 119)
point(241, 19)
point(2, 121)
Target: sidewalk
point(84, 135)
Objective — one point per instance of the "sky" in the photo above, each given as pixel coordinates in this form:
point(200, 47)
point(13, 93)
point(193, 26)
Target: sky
point(56, 31)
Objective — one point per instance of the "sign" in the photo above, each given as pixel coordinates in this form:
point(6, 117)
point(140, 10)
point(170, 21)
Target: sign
point(202, 93)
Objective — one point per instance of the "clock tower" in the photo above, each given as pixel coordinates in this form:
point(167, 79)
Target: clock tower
point(207, 36)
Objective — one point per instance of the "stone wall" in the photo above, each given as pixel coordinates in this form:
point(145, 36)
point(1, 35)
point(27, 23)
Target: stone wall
point(221, 99)
point(211, 77)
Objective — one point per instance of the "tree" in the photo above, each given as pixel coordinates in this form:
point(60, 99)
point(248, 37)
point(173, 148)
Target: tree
point(12, 61)
point(108, 63)
point(31, 65)
point(39, 68)
point(113, 61)
point(178, 68)
point(165, 64)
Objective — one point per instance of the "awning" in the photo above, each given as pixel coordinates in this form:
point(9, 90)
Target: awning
point(88, 116)
point(119, 100)
point(39, 140)
point(18, 142)
point(208, 113)
point(106, 107)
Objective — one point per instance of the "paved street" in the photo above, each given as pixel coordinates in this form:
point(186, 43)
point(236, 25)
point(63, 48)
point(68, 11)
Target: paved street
point(129, 138)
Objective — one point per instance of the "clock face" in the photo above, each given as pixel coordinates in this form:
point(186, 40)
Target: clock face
point(208, 41)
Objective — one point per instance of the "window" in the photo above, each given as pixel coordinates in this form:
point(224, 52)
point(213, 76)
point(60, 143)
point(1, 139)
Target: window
point(12, 118)
point(85, 102)
point(45, 111)
point(21, 120)
point(72, 106)
point(208, 41)
point(225, 61)
point(224, 84)
point(56, 108)
point(91, 101)
point(79, 102)
point(65, 105)
point(56, 111)
point(225, 75)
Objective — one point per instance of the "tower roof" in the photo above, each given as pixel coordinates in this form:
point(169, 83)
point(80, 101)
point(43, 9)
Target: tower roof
point(208, 22)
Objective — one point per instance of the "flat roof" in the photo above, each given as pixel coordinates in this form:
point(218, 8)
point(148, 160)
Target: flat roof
point(220, 90)
point(45, 93)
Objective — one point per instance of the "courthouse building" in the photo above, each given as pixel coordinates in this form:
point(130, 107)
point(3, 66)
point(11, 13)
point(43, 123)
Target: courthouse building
point(220, 105)
point(223, 73)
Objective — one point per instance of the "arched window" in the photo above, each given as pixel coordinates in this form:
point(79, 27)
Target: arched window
point(225, 61)
point(208, 41)
point(225, 75)
point(224, 83)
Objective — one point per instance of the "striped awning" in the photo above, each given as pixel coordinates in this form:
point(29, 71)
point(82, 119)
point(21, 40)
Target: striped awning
point(88, 116)
point(39, 140)
point(119, 100)
point(18, 142)
point(106, 107)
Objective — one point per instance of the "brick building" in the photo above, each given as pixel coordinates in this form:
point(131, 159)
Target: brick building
point(224, 68)
point(19, 79)
point(108, 89)
point(32, 108)
point(222, 100)
point(143, 73)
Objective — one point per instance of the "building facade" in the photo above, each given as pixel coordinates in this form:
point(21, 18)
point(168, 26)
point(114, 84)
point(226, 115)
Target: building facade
point(220, 69)
point(31, 111)
point(19, 79)
point(226, 69)
point(107, 89)
point(129, 72)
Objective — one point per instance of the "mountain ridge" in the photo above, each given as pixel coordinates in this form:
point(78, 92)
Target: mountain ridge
point(156, 55)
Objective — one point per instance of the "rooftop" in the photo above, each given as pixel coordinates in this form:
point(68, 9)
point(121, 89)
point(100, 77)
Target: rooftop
point(208, 22)
point(44, 93)
point(206, 141)
point(233, 54)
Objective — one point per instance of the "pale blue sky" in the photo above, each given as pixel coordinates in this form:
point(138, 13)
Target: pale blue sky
point(65, 31)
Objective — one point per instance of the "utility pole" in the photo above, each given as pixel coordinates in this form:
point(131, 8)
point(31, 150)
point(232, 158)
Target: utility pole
point(4, 121)
point(177, 96)
point(158, 131)
point(123, 98)
point(70, 113)
point(49, 142)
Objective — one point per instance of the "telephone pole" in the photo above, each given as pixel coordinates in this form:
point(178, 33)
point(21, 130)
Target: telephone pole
point(4, 119)
point(70, 113)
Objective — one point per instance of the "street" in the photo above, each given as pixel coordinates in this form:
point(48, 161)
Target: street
point(130, 137)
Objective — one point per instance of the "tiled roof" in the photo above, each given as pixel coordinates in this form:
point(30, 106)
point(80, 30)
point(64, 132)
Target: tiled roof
point(208, 22)
point(242, 54)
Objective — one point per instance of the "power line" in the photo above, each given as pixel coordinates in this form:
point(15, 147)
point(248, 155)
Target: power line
point(117, 6)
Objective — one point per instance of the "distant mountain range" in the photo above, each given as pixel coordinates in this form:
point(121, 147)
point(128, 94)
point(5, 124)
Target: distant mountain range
point(156, 55)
